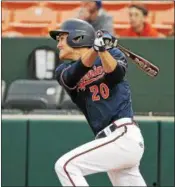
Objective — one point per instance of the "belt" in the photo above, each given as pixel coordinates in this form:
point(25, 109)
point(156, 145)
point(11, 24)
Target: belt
point(115, 125)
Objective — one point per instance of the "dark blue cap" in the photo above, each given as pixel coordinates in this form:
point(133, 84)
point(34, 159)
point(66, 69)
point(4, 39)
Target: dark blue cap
point(99, 3)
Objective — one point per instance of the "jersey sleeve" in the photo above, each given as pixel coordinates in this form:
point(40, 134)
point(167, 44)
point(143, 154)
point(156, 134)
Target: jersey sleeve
point(68, 75)
point(122, 65)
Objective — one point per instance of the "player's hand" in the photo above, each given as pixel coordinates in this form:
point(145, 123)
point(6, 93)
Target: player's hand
point(99, 44)
point(109, 40)
point(104, 41)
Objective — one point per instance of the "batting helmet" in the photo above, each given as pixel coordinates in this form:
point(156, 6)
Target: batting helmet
point(80, 33)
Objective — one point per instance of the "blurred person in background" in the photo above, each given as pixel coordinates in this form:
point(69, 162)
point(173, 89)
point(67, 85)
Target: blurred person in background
point(171, 33)
point(139, 27)
point(93, 13)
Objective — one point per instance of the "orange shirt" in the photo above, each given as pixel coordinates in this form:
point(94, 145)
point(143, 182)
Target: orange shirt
point(148, 31)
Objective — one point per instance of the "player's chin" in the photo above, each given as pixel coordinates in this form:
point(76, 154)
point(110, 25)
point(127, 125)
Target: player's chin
point(62, 55)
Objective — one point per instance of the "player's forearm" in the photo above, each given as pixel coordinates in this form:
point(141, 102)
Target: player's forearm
point(115, 72)
point(89, 57)
point(108, 62)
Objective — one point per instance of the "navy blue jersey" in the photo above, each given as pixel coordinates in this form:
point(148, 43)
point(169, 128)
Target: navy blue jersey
point(102, 97)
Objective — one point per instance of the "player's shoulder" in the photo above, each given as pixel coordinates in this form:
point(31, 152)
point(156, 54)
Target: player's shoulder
point(118, 54)
point(60, 68)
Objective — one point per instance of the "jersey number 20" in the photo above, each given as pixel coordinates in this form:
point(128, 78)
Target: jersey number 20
point(102, 90)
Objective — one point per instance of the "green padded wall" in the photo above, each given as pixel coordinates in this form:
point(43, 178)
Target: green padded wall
point(148, 165)
point(13, 152)
point(50, 139)
point(167, 154)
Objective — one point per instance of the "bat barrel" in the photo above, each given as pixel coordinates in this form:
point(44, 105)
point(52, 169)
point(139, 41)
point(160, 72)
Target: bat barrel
point(143, 64)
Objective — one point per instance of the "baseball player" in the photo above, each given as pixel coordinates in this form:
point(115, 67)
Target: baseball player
point(95, 80)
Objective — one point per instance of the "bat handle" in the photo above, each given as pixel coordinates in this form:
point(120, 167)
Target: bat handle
point(123, 50)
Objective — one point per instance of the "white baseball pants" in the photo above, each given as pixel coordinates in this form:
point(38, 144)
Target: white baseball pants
point(118, 154)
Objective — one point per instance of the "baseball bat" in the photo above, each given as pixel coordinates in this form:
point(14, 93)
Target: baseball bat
point(142, 63)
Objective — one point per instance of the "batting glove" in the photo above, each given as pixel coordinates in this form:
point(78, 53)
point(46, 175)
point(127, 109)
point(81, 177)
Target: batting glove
point(104, 41)
point(99, 45)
